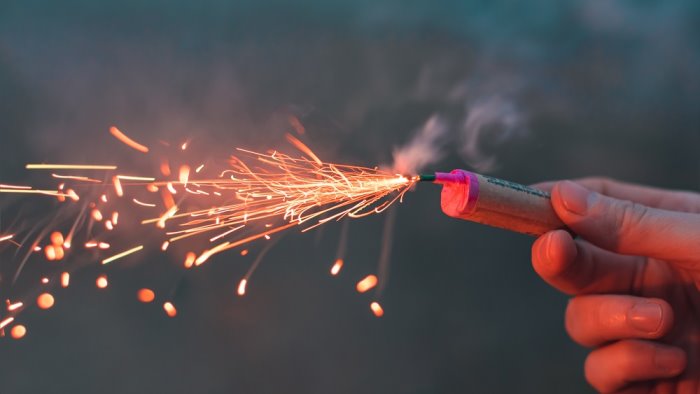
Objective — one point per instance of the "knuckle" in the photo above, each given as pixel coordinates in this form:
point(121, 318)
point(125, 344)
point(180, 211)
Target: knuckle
point(629, 216)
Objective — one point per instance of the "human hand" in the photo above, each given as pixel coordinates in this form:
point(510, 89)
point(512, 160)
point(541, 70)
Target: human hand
point(634, 275)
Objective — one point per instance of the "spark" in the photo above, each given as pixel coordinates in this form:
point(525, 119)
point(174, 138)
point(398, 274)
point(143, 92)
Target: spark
point(146, 295)
point(244, 252)
point(6, 237)
point(241, 287)
point(367, 283)
point(69, 167)
point(189, 259)
point(6, 322)
point(18, 331)
point(15, 306)
point(76, 178)
point(126, 140)
point(97, 215)
point(122, 254)
point(65, 279)
point(302, 147)
point(170, 309)
point(143, 204)
point(184, 174)
point(45, 301)
point(377, 309)
point(136, 178)
point(101, 282)
point(118, 186)
point(164, 246)
point(336, 267)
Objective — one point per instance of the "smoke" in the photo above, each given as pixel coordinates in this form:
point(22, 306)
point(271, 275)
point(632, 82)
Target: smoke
point(488, 124)
point(424, 149)
point(483, 127)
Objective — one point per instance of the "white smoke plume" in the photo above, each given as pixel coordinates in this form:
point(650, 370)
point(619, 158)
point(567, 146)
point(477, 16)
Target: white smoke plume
point(488, 124)
point(425, 148)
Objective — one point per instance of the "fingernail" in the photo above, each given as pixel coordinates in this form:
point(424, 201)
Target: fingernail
point(646, 317)
point(670, 360)
point(545, 254)
point(574, 197)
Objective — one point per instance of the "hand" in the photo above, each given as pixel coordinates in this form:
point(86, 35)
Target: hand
point(634, 275)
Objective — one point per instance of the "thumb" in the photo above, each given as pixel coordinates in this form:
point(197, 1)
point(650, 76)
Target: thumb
point(628, 228)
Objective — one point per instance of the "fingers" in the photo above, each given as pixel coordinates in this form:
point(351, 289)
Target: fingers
point(597, 319)
point(628, 228)
point(611, 368)
point(672, 200)
point(577, 267)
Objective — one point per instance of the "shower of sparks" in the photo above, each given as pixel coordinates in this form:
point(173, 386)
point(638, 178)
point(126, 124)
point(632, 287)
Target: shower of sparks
point(255, 197)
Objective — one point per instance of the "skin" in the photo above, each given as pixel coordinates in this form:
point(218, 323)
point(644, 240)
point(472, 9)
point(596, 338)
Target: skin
point(633, 274)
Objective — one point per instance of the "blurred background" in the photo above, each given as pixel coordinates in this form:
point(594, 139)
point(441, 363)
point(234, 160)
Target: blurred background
point(529, 91)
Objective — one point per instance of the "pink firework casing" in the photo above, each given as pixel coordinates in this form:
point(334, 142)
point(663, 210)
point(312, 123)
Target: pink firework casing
point(498, 203)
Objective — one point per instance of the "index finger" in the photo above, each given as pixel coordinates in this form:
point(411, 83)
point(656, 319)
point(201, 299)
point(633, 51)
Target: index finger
point(673, 200)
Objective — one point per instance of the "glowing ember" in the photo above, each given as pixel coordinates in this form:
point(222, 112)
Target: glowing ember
point(241, 287)
point(101, 282)
point(126, 140)
point(45, 301)
point(18, 331)
point(146, 295)
point(367, 283)
point(244, 252)
point(335, 269)
point(56, 238)
point(189, 259)
point(15, 306)
point(6, 322)
point(65, 279)
point(170, 309)
point(377, 309)
point(122, 254)
point(6, 237)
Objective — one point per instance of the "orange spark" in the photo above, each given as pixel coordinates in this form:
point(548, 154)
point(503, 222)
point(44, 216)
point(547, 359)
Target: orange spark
point(122, 254)
point(56, 238)
point(165, 168)
point(108, 225)
point(241, 287)
point(15, 306)
point(189, 259)
point(115, 218)
point(96, 214)
point(143, 204)
point(118, 186)
point(50, 252)
point(65, 279)
point(146, 295)
point(184, 174)
point(126, 140)
point(45, 300)
point(170, 309)
point(367, 283)
point(44, 280)
point(300, 145)
point(69, 167)
point(377, 309)
point(101, 282)
point(18, 331)
point(244, 252)
point(5, 322)
point(6, 237)
point(335, 269)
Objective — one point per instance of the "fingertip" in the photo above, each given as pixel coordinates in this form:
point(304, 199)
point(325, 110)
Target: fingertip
point(553, 253)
